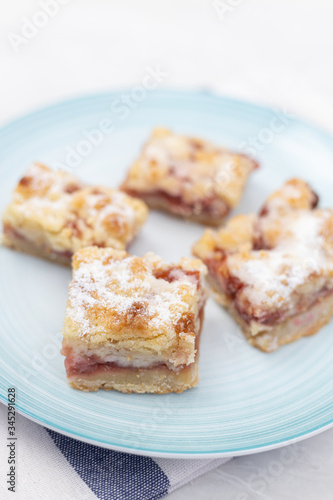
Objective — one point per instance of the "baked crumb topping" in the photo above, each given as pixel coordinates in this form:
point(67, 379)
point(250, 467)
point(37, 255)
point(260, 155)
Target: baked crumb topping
point(274, 264)
point(117, 296)
point(271, 276)
point(56, 210)
point(189, 168)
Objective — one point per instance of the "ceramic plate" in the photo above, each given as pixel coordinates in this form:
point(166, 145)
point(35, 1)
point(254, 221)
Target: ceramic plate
point(247, 401)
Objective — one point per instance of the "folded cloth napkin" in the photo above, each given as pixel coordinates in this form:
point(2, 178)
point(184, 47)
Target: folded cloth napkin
point(53, 466)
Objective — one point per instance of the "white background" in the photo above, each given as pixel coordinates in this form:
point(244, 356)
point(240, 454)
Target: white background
point(275, 52)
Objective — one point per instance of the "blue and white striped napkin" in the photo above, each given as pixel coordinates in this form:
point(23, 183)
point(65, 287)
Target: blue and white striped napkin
point(52, 466)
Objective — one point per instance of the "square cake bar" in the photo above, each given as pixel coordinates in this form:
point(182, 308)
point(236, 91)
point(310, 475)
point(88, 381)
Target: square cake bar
point(53, 214)
point(188, 177)
point(274, 271)
point(133, 323)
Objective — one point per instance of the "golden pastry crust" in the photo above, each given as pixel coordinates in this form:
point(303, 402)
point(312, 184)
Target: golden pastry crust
point(271, 268)
point(132, 312)
point(53, 214)
point(189, 177)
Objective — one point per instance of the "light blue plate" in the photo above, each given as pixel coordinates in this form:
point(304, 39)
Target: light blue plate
point(246, 401)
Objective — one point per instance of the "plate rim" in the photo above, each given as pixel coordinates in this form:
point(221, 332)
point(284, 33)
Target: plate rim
point(193, 92)
point(176, 455)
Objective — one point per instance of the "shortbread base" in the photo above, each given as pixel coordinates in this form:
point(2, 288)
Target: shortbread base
point(300, 325)
point(158, 380)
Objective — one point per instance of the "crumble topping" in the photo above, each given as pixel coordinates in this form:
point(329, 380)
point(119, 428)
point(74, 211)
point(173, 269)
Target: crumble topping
point(45, 191)
point(59, 212)
point(113, 289)
point(190, 168)
point(271, 276)
point(274, 264)
point(40, 181)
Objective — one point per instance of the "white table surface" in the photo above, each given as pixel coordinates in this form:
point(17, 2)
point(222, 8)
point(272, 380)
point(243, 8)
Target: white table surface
point(273, 52)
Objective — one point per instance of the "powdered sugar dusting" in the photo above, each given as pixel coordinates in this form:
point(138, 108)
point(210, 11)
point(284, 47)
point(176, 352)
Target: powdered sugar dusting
point(194, 163)
point(116, 207)
point(120, 287)
point(47, 192)
point(44, 206)
point(59, 198)
point(291, 191)
point(271, 277)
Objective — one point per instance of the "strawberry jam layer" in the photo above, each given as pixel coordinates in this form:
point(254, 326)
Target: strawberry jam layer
point(210, 206)
point(93, 365)
point(12, 233)
point(15, 235)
